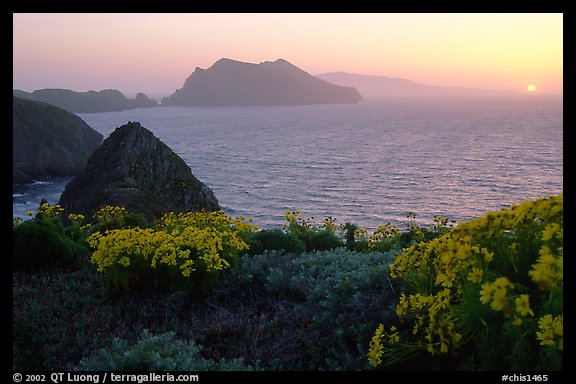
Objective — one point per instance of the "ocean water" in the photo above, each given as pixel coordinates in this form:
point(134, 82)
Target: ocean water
point(369, 163)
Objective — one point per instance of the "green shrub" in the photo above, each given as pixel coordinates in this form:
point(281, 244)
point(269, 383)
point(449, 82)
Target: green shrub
point(273, 239)
point(299, 227)
point(316, 238)
point(43, 242)
point(322, 305)
point(156, 353)
point(325, 240)
point(363, 246)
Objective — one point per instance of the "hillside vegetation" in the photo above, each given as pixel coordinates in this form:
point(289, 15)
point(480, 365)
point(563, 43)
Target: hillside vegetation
point(204, 291)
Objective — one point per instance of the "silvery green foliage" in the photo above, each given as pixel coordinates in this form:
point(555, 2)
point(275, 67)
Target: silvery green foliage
point(156, 353)
point(344, 293)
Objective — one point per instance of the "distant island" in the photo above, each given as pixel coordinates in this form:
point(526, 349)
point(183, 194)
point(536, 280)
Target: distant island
point(383, 87)
point(231, 82)
point(87, 102)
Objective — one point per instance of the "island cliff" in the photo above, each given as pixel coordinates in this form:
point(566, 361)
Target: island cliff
point(230, 82)
point(48, 141)
point(87, 102)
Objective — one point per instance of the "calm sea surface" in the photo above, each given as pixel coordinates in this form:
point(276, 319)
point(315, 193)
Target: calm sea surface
point(368, 163)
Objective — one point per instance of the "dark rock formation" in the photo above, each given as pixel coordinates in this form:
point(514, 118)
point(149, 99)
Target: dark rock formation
point(143, 101)
point(230, 82)
point(134, 169)
point(87, 102)
point(48, 141)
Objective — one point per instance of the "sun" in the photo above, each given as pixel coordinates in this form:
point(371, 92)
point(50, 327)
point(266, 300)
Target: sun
point(531, 88)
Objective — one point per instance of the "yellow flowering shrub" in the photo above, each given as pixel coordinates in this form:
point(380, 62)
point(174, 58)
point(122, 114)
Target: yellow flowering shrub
point(498, 277)
point(49, 211)
point(294, 218)
point(299, 227)
point(183, 251)
point(109, 213)
point(385, 232)
point(551, 331)
point(76, 218)
point(315, 237)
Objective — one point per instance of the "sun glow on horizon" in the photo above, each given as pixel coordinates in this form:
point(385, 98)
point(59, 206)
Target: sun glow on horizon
point(531, 88)
point(156, 52)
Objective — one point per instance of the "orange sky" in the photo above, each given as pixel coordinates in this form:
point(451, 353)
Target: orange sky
point(155, 53)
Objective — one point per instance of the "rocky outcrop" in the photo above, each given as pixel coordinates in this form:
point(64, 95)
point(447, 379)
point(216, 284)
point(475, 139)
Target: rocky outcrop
point(134, 169)
point(48, 141)
point(143, 101)
point(230, 82)
point(87, 102)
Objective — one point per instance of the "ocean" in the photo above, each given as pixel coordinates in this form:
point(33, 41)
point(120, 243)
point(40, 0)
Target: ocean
point(369, 163)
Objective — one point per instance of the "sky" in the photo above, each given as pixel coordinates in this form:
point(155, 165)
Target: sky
point(154, 53)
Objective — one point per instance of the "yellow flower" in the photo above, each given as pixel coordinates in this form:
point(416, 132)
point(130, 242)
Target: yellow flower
point(179, 240)
point(546, 321)
point(503, 282)
point(76, 218)
point(475, 276)
point(523, 305)
point(463, 259)
point(550, 230)
point(488, 256)
point(456, 337)
point(546, 337)
point(376, 349)
point(558, 325)
point(486, 293)
point(443, 348)
point(499, 300)
point(108, 213)
point(402, 306)
point(543, 275)
point(125, 261)
point(446, 280)
point(394, 338)
point(45, 210)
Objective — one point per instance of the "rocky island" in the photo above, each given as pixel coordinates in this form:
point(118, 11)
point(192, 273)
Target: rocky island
point(134, 169)
point(231, 82)
point(87, 102)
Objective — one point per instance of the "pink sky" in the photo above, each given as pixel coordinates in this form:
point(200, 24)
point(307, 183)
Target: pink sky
point(155, 53)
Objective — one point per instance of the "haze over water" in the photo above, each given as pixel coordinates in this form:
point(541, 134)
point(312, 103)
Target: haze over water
point(155, 52)
point(369, 163)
